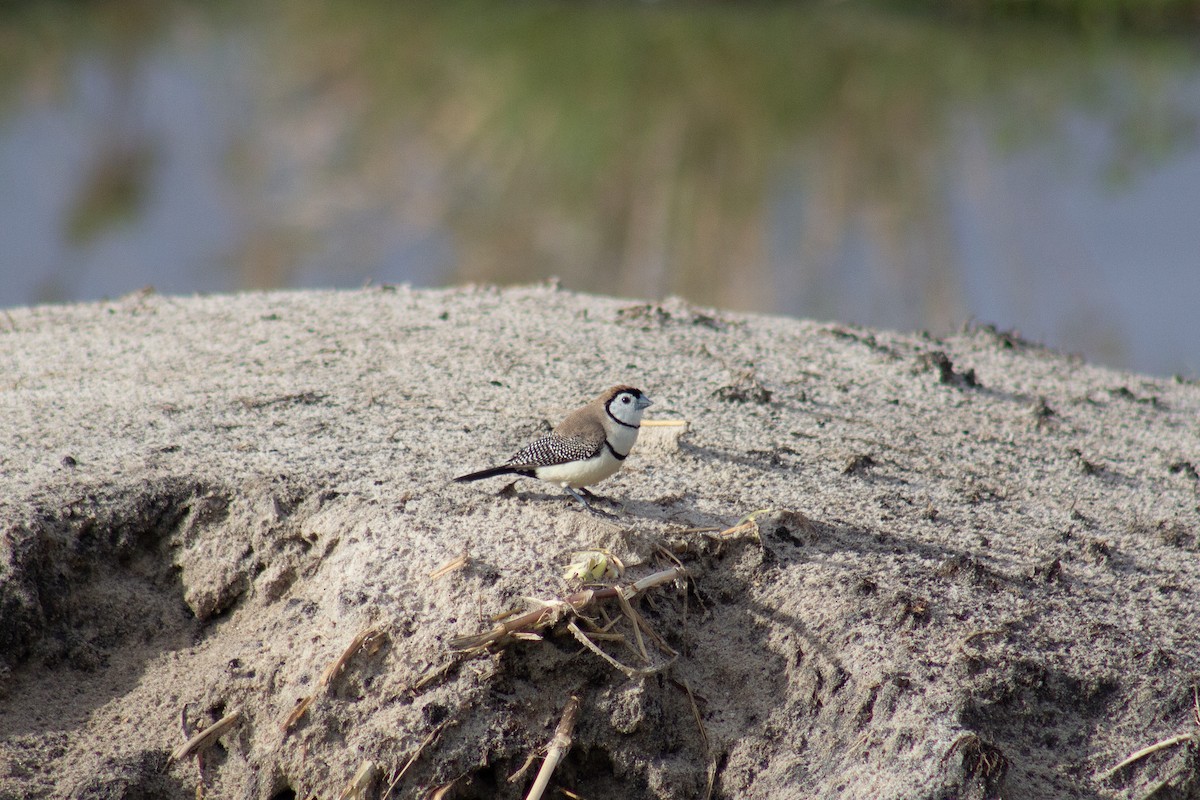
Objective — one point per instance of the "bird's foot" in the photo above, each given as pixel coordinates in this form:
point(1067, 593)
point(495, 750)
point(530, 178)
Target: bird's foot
point(579, 494)
point(599, 498)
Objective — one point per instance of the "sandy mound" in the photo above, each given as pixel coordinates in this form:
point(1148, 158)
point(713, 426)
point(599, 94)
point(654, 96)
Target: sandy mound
point(975, 572)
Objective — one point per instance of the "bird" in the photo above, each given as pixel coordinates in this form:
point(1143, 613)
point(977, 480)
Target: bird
point(589, 445)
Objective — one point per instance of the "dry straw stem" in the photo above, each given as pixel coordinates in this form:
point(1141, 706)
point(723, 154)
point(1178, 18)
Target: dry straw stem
point(635, 618)
point(632, 672)
point(640, 622)
point(1145, 751)
point(369, 639)
point(750, 522)
point(433, 675)
point(966, 642)
point(205, 738)
point(360, 782)
point(742, 527)
point(747, 524)
point(712, 779)
point(516, 776)
point(433, 734)
point(558, 748)
point(1170, 741)
point(298, 712)
point(696, 713)
point(552, 611)
point(450, 566)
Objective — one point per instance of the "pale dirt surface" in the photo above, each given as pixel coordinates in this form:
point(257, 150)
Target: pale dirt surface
point(974, 586)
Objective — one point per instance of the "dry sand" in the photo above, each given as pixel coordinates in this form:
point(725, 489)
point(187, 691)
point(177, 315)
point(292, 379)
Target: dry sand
point(978, 576)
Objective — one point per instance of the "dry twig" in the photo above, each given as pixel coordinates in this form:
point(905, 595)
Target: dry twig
point(360, 782)
point(745, 526)
point(187, 735)
point(635, 618)
point(659, 642)
point(558, 748)
point(516, 776)
point(369, 639)
point(962, 646)
point(712, 779)
point(1145, 751)
point(433, 734)
point(1170, 741)
point(455, 563)
point(552, 611)
point(434, 675)
point(695, 712)
point(632, 672)
point(298, 712)
point(205, 738)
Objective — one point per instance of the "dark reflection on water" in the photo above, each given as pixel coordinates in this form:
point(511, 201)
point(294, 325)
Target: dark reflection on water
point(828, 163)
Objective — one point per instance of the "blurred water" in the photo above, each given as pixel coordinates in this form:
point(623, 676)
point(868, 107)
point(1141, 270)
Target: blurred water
point(836, 164)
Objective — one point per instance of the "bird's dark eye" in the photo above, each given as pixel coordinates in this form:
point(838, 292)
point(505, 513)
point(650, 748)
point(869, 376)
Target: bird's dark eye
point(625, 399)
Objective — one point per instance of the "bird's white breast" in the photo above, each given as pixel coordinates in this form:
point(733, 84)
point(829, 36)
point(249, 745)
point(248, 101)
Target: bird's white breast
point(604, 464)
point(622, 438)
point(577, 474)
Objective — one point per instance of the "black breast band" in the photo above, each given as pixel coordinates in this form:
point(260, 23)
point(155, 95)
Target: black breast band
point(613, 450)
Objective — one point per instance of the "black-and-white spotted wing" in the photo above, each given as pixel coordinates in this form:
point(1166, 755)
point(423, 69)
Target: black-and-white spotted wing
point(555, 449)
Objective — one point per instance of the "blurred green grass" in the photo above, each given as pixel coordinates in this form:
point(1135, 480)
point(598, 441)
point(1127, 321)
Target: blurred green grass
point(1092, 16)
point(624, 146)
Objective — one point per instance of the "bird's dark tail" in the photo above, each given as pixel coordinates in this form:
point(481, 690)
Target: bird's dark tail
point(491, 473)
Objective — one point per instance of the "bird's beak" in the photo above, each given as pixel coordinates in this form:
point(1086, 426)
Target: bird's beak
point(643, 402)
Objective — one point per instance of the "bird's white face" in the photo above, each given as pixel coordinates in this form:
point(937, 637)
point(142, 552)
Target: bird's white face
point(627, 406)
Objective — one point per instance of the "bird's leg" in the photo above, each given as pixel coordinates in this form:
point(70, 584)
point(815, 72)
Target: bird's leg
point(590, 495)
point(580, 497)
point(586, 504)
